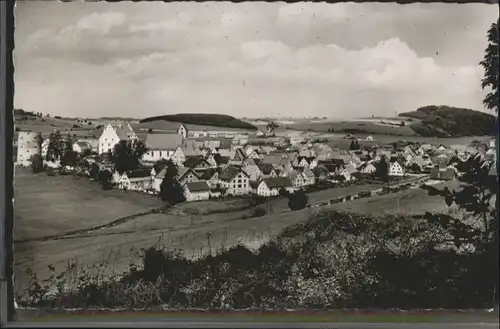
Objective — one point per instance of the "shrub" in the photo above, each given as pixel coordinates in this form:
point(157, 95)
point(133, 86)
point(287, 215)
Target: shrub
point(259, 212)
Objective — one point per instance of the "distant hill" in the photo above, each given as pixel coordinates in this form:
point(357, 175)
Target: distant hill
point(203, 119)
point(447, 121)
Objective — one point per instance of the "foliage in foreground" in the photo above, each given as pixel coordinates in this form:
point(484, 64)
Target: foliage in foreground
point(336, 261)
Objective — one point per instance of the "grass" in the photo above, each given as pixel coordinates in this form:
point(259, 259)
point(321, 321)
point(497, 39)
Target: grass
point(46, 205)
point(327, 262)
point(408, 202)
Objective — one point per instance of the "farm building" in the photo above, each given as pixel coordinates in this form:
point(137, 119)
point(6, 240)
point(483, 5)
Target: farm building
point(136, 180)
point(396, 168)
point(235, 181)
point(196, 191)
point(28, 145)
point(271, 186)
point(82, 147)
point(443, 173)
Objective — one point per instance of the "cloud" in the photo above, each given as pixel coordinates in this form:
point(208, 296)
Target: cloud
point(252, 59)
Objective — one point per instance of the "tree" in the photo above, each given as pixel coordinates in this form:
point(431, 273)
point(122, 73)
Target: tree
point(490, 65)
point(70, 158)
point(283, 192)
point(170, 190)
point(297, 200)
point(56, 147)
point(94, 171)
point(105, 177)
point(127, 154)
point(37, 164)
point(382, 169)
point(478, 227)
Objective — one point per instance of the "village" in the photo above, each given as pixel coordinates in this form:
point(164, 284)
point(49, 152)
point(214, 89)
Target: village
point(219, 164)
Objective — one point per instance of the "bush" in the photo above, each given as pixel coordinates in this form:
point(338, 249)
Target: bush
point(259, 212)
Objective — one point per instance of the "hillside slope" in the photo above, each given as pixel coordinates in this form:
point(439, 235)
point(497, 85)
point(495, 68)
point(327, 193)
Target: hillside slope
point(447, 121)
point(202, 119)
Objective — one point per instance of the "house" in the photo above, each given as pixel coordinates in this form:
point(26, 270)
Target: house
point(254, 185)
point(309, 177)
point(348, 172)
point(239, 157)
point(161, 146)
point(186, 175)
point(252, 169)
point(183, 131)
point(113, 135)
point(220, 160)
point(367, 168)
point(267, 170)
point(309, 162)
point(210, 175)
point(180, 154)
point(235, 180)
point(297, 178)
point(136, 180)
point(396, 168)
point(197, 191)
point(82, 147)
point(158, 167)
point(196, 162)
point(320, 173)
point(443, 173)
point(271, 186)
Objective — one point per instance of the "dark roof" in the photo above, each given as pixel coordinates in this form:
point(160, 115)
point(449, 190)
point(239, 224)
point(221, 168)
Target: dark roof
point(193, 160)
point(219, 159)
point(320, 170)
point(336, 162)
point(274, 182)
point(230, 172)
point(200, 186)
point(206, 174)
point(139, 173)
point(266, 168)
point(158, 166)
point(254, 184)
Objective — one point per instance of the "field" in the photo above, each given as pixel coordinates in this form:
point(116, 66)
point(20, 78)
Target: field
point(55, 205)
point(414, 201)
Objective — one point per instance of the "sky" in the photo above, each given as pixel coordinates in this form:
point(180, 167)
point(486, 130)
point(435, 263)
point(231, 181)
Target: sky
point(253, 59)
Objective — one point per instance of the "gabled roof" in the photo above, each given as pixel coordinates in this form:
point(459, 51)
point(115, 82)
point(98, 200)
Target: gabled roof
point(163, 141)
point(124, 131)
point(159, 165)
point(230, 172)
point(220, 160)
point(277, 182)
point(272, 158)
point(138, 173)
point(183, 171)
point(83, 144)
point(193, 160)
point(200, 186)
point(207, 174)
point(254, 184)
point(266, 168)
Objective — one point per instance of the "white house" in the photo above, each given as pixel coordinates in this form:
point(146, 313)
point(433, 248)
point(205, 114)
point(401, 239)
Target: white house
point(113, 135)
point(235, 181)
point(309, 177)
point(161, 146)
point(183, 131)
point(368, 168)
point(81, 146)
point(271, 186)
point(196, 191)
point(136, 180)
point(297, 179)
point(396, 168)
point(180, 154)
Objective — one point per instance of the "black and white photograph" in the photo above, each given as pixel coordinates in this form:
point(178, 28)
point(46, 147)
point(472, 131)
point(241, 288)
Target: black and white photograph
point(255, 156)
